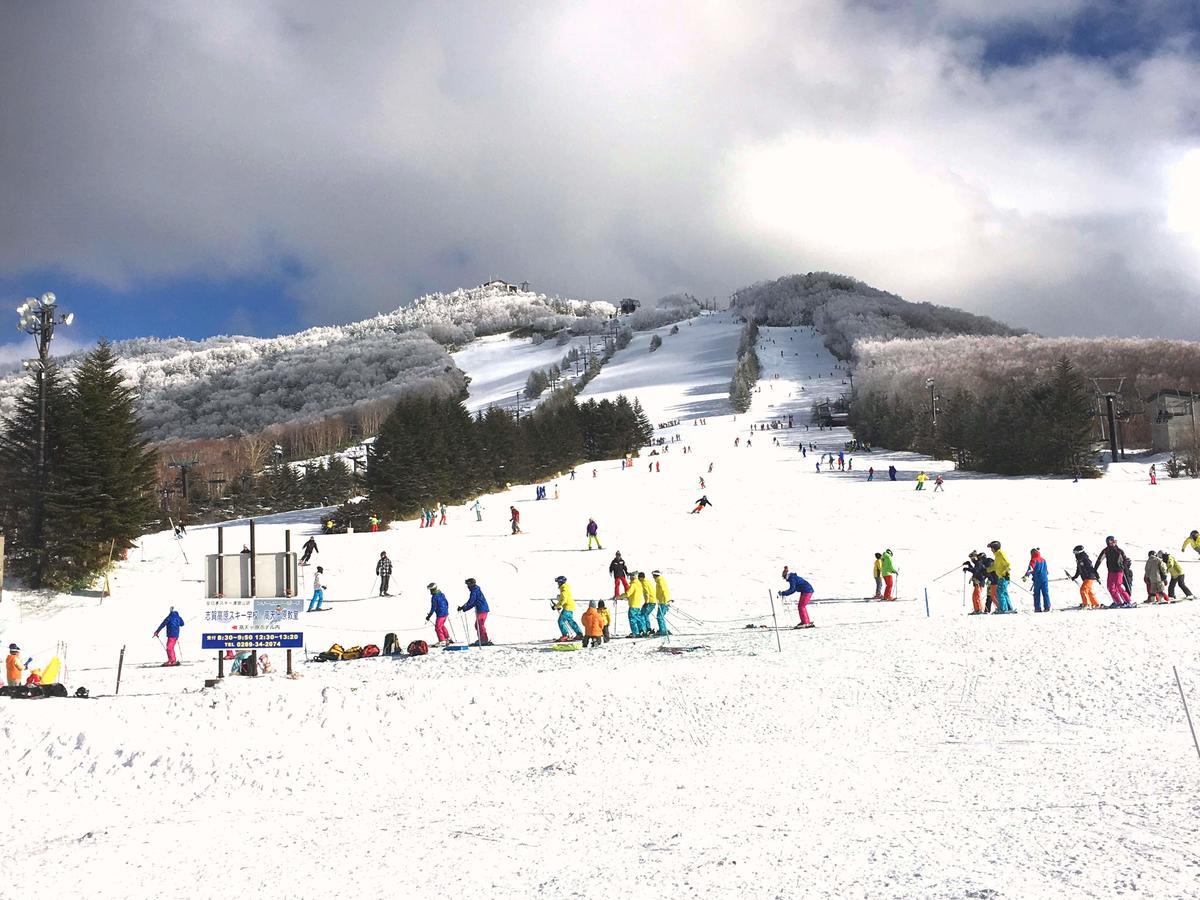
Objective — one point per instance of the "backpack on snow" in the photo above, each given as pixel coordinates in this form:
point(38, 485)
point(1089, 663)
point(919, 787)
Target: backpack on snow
point(391, 644)
point(335, 651)
point(418, 648)
point(353, 653)
point(370, 650)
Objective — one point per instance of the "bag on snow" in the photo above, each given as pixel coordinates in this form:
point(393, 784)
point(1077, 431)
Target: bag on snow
point(418, 648)
point(58, 689)
point(370, 650)
point(391, 644)
point(336, 651)
point(353, 653)
point(22, 691)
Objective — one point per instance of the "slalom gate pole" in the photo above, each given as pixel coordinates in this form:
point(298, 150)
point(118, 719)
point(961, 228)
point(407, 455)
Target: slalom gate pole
point(1186, 712)
point(927, 603)
point(120, 666)
point(778, 640)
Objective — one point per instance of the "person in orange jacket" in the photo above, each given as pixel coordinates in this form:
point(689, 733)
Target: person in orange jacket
point(13, 666)
point(593, 626)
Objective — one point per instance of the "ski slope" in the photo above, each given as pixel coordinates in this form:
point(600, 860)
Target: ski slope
point(499, 365)
point(882, 754)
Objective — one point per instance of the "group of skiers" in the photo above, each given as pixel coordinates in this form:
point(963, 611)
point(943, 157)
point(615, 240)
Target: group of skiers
point(429, 514)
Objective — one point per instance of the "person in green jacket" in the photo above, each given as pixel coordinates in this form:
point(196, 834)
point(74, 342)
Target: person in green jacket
point(1175, 573)
point(887, 568)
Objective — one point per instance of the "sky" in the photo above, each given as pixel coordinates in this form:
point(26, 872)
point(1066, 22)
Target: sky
point(259, 167)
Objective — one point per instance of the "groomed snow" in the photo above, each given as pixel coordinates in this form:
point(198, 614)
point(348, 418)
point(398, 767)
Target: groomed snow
point(498, 366)
point(882, 754)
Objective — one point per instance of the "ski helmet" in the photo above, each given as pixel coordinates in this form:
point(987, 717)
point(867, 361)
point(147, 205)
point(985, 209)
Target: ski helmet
point(1194, 533)
point(432, 587)
point(561, 579)
point(656, 573)
point(1110, 540)
point(470, 582)
point(321, 570)
point(1078, 548)
point(993, 545)
point(13, 648)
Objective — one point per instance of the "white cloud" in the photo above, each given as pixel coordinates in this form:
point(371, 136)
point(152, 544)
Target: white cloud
point(601, 148)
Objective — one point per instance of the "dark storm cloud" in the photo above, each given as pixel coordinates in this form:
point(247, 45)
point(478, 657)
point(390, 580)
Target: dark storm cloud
point(364, 153)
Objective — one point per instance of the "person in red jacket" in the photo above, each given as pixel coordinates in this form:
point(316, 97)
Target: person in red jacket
point(515, 519)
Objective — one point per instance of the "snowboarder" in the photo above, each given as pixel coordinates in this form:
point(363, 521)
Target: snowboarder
point(514, 517)
point(606, 615)
point(636, 598)
point(977, 570)
point(649, 602)
point(620, 575)
point(593, 625)
point(318, 598)
point(1115, 559)
point(478, 508)
point(1175, 572)
point(877, 574)
point(310, 547)
point(887, 567)
point(1089, 578)
point(439, 607)
point(565, 604)
point(479, 603)
point(663, 595)
point(592, 534)
point(1040, 572)
point(1155, 578)
point(797, 585)
point(1002, 569)
point(13, 666)
point(701, 503)
point(383, 569)
point(172, 623)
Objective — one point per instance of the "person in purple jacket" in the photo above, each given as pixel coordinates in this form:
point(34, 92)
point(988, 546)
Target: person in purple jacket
point(797, 585)
point(593, 534)
point(173, 622)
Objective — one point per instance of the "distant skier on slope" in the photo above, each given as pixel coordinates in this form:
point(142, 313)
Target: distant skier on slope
point(310, 547)
point(477, 507)
point(1089, 579)
point(318, 598)
point(593, 534)
point(514, 517)
point(797, 585)
point(478, 602)
point(383, 569)
point(172, 623)
point(701, 503)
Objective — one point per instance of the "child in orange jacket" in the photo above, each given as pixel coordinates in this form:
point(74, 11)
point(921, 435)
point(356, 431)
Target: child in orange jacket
point(12, 666)
point(593, 626)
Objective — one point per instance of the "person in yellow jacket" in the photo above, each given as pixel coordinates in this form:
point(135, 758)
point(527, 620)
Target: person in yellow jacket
point(12, 666)
point(565, 604)
point(636, 595)
point(606, 617)
point(663, 595)
point(1175, 574)
point(1002, 569)
point(649, 604)
point(921, 479)
point(1193, 541)
point(877, 573)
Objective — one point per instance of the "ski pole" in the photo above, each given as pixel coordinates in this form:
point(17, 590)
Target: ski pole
point(466, 629)
point(944, 574)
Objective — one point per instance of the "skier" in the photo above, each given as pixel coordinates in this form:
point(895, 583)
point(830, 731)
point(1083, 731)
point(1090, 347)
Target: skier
point(424, 517)
point(921, 478)
point(593, 625)
point(938, 484)
point(663, 595)
point(1155, 578)
point(636, 597)
point(1115, 559)
point(797, 585)
point(877, 574)
point(1153, 474)
point(1193, 541)
point(1002, 569)
point(13, 666)
point(976, 569)
point(310, 547)
point(318, 598)
point(479, 603)
point(620, 575)
point(432, 515)
point(565, 604)
point(593, 534)
point(992, 603)
point(1040, 573)
point(887, 568)
point(442, 509)
point(1089, 578)
point(478, 508)
point(871, 473)
point(649, 603)
point(891, 473)
point(373, 520)
point(606, 615)
point(173, 622)
point(383, 569)
point(701, 482)
point(514, 516)
point(439, 606)
point(1175, 571)
point(701, 503)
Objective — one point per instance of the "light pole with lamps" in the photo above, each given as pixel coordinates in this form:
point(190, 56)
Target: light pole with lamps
point(39, 316)
point(933, 399)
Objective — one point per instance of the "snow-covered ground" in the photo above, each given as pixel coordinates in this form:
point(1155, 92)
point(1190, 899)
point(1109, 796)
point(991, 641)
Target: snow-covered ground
point(499, 365)
point(882, 754)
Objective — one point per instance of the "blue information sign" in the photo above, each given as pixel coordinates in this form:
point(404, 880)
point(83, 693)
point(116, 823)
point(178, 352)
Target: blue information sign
point(252, 640)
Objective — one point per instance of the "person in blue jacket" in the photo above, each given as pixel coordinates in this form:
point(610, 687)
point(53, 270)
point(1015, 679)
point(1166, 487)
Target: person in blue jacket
point(797, 585)
point(477, 602)
point(1041, 580)
point(172, 623)
point(438, 606)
